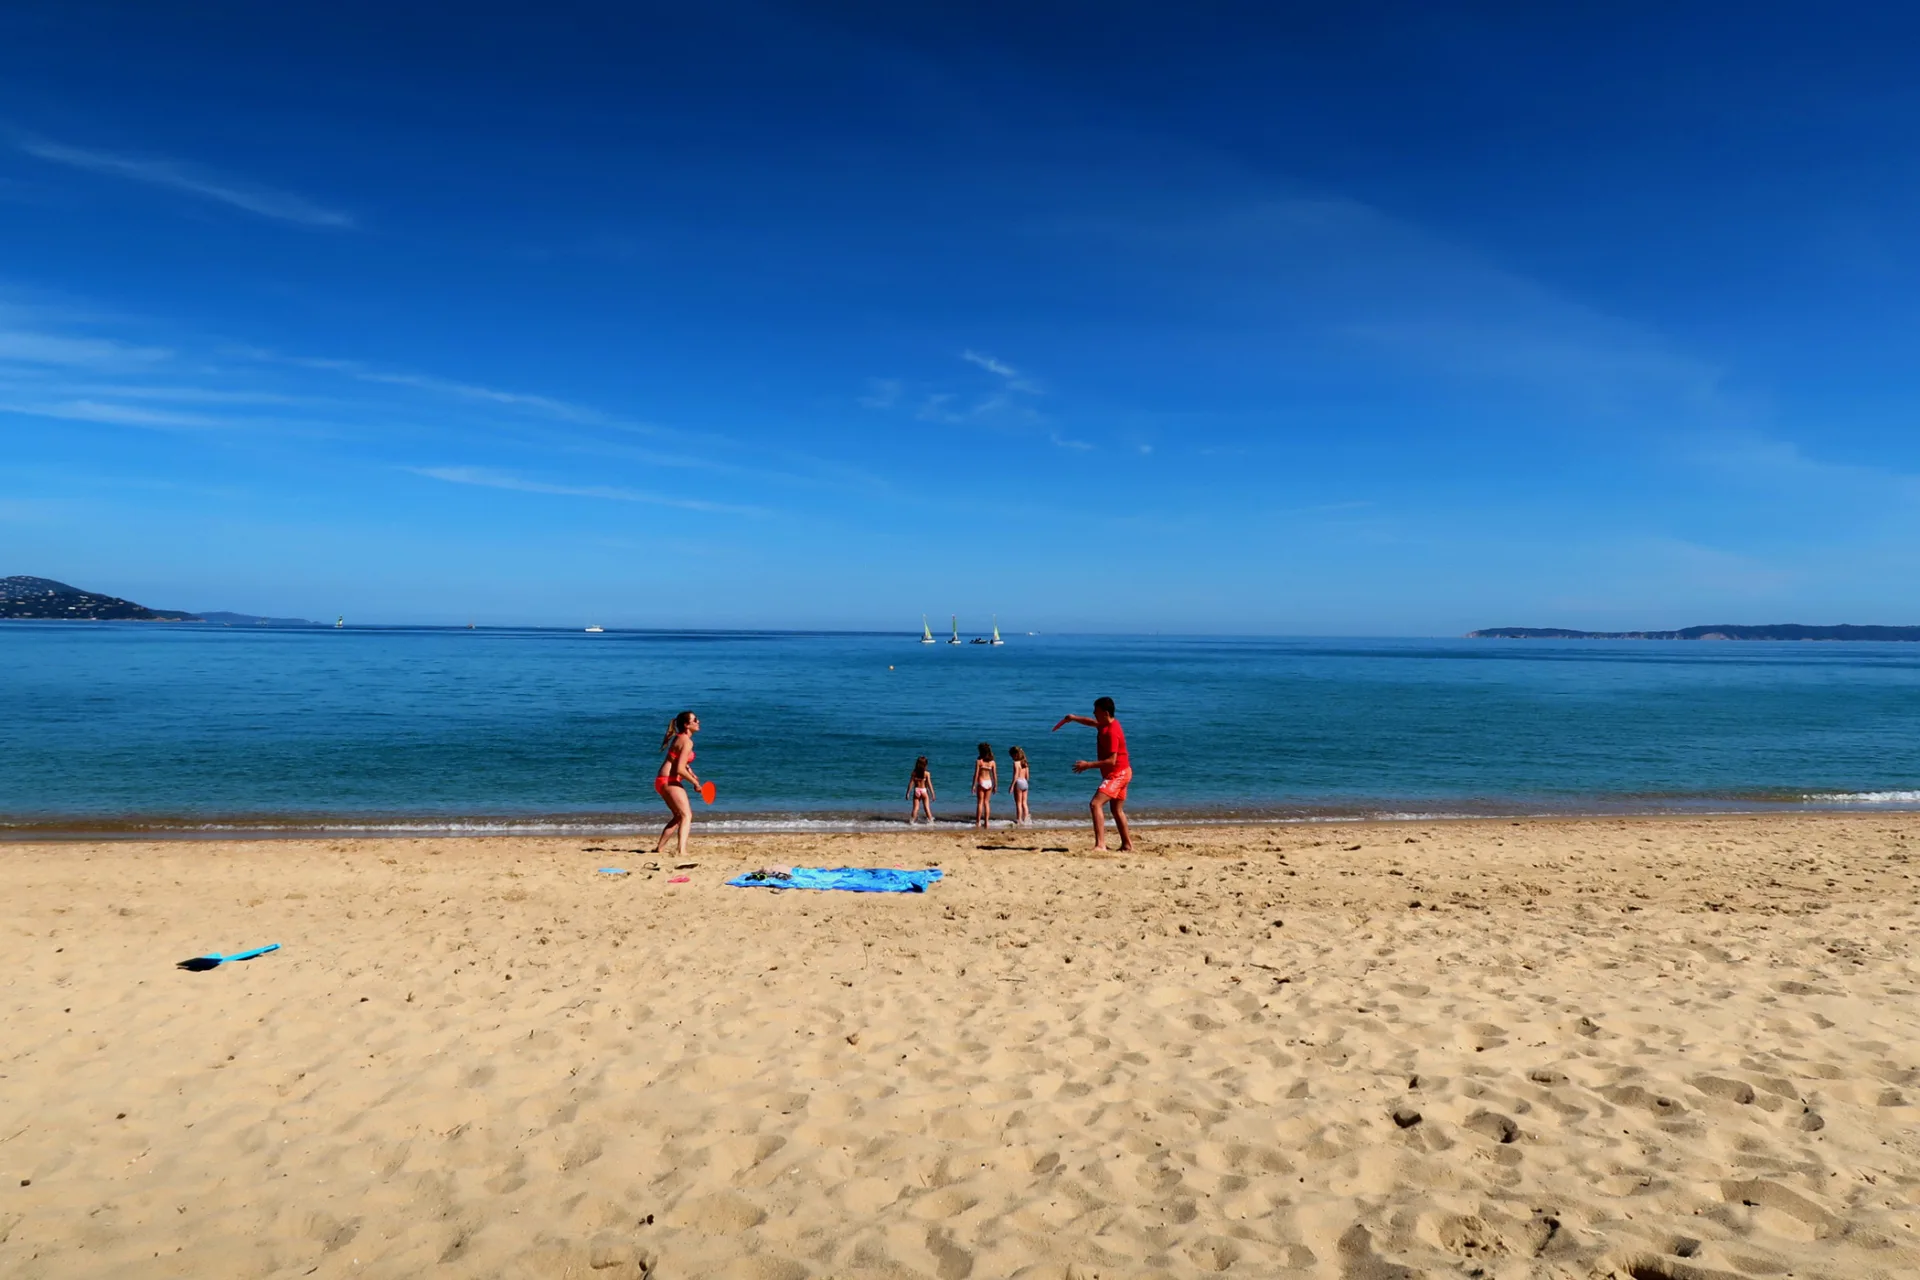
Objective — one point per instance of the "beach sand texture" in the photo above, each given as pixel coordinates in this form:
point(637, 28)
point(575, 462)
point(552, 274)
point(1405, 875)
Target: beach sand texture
point(1651, 1049)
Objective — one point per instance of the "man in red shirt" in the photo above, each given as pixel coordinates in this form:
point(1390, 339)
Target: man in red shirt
point(1116, 771)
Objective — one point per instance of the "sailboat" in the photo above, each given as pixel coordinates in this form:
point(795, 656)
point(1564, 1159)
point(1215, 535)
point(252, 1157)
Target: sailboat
point(339, 622)
point(996, 633)
point(956, 630)
point(926, 632)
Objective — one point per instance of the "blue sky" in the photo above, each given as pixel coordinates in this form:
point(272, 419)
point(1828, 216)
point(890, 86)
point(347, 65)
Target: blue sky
point(1364, 319)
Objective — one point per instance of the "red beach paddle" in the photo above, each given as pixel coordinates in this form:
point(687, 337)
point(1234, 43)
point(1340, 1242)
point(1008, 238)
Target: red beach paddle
point(706, 792)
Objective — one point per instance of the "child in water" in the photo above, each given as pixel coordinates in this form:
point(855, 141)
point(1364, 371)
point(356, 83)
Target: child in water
point(1022, 774)
point(986, 781)
point(920, 791)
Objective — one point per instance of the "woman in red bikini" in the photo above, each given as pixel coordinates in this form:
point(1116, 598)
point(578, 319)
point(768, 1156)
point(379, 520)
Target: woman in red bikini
point(675, 776)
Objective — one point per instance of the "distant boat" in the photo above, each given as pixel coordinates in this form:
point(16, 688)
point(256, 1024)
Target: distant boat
point(926, 632)
point(996, 633)
point(340, 622)
point(596, 628)
point(956, 630)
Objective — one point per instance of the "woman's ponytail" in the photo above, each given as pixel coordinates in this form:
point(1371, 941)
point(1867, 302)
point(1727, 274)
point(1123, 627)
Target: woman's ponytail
point(675, 727)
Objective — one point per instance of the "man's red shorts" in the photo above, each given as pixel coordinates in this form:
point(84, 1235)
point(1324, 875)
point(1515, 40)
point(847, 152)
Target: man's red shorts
point(1114, 787)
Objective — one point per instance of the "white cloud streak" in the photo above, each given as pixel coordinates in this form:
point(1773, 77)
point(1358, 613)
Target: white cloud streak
point(488, 478)
point(282, 206)
point(547, 406)
point(1015, 380)
point(121, 415)
point(21, 346)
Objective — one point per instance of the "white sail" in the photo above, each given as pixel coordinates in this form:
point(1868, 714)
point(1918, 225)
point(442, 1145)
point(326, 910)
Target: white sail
point(926, 631)
point(996, 633)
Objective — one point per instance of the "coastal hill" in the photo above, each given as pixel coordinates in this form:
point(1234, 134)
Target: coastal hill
point(1729, 631)
point(25, 597)
point(43, 599)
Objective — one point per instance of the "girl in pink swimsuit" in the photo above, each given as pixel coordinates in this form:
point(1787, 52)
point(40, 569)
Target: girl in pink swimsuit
point(920, 791)
point(675, 776)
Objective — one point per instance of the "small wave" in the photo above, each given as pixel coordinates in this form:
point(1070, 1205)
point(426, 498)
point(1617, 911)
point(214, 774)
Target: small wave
point(1865, 797)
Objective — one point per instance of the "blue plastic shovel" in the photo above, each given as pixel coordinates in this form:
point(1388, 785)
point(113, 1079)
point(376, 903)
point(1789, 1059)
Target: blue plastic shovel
point(199, 964)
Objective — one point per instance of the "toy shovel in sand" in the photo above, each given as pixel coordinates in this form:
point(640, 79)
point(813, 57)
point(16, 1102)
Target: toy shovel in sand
point(200, 964)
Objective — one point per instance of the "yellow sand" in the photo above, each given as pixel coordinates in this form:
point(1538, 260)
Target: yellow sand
point(1680, 1049)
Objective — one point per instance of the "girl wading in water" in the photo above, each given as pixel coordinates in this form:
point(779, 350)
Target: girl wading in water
point(986, 781)
point(920, 791)
point(675, 777)
point(1022, 778)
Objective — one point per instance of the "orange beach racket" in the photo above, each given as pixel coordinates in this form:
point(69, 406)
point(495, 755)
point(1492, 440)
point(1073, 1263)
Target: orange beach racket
point(706, 792)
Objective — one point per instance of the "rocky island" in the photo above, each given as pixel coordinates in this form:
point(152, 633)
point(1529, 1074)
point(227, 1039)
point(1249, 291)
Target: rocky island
point(1724, 631)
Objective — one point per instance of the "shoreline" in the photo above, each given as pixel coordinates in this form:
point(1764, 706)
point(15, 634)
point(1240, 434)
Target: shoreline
point(31, 828)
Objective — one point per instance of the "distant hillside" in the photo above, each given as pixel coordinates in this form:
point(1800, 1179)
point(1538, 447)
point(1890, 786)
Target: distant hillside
point(24, 597)
point(1728, 631)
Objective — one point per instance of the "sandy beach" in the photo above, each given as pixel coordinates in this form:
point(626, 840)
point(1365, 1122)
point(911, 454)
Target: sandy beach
point(1657, 1049)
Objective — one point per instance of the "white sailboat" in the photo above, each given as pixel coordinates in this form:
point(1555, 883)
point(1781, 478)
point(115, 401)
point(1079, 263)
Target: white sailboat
point(996, 632)
point(926, 631)
point(956, 630)
point(339, 622)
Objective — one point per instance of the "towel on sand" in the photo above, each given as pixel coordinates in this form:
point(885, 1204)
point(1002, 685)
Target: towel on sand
point(852, 879)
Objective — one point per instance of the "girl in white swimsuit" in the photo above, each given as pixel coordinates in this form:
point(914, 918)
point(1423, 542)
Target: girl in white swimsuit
point(986, 781)
point(1022, 815)
point(920, 791)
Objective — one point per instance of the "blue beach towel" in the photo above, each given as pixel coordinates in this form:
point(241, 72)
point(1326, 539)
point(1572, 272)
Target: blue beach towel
point(852, 879)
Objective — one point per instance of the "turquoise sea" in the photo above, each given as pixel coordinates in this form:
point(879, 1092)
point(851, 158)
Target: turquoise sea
point(199, 729)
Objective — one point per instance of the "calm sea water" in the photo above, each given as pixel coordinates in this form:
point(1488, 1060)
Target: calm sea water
point(199, 728)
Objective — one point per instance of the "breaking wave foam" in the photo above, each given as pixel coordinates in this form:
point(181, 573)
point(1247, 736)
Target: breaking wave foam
point(1866, 797)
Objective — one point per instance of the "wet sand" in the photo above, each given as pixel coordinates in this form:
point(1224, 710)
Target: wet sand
point(1658, 1049)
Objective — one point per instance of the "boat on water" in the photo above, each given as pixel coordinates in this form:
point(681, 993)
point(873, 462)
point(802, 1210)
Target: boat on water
point(996, 633)
point(340, 622)
point(596, 628)
point(956, 630)
point(926, 631)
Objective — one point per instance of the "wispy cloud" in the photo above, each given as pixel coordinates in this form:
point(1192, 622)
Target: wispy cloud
point(121, 415)
point(174, 175)
point(489, 478)
point(1015, 380)
point(882, 393)
point(193, 395)
point(27, 347)
point(546, 406)
point(1008, 405)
